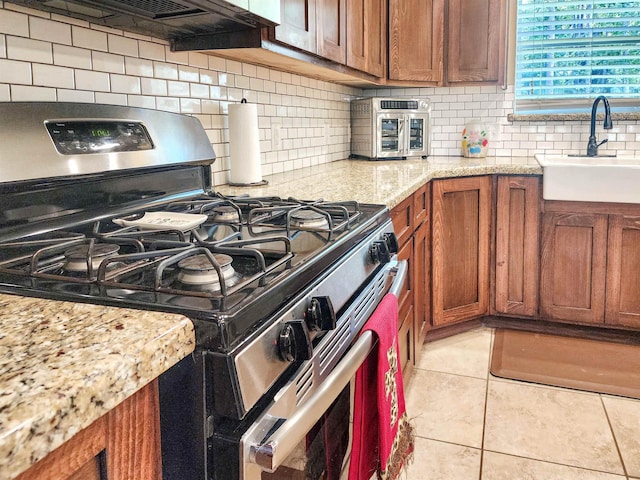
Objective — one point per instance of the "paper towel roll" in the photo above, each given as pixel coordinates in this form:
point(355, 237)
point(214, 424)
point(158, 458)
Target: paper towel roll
point(244, 144)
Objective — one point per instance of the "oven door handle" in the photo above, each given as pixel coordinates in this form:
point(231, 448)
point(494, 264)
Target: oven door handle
point(399, 277)
point(270, 454)
point(276, 449)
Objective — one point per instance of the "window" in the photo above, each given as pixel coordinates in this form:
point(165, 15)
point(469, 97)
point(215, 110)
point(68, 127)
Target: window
point(568, 52)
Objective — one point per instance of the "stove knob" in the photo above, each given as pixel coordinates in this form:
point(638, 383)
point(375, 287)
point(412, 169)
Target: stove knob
point(379, 252)
point(320, 314)
point(392, 242)
point(294, 343)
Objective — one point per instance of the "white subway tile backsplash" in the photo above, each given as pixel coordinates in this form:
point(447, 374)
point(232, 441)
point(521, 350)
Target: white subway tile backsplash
point(28, 50)
point(111, 98)
point(14, 23)
point(141, 101)
point(24, 93)
point(176, 57)
point(168, 71)
point(3, 47)
point(96, 81)
point(188, 74)
point(198, 90)
point(89, 38)
point(12, 71)
point(5, 92)
point(178, 89)
point(122, 45)
point(52, 76)
point(125, 84)
point(199, 60)
point(151, 51)
point(169, 104)
point(107, 62)
point(76, 96)
point(44, 29)
point(208, 77)
point(190, 105)
point(66, 56)
point(138, 67)
point(153, 86)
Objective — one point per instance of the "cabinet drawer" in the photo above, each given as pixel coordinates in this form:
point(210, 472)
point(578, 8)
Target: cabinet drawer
point(402, 218)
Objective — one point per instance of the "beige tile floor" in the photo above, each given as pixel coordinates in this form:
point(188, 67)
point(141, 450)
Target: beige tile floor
point(472, 425)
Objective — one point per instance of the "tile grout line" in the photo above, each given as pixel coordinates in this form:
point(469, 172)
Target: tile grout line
point(486, 401)
point(613, 434)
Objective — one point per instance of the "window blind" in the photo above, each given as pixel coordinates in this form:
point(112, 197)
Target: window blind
point(570, 51)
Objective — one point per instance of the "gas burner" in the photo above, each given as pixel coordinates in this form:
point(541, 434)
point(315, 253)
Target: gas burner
point(308, 219)
point(199, 273)
point(78, 256)
point(225, 214)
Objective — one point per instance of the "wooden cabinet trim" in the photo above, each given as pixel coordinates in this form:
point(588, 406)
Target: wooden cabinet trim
point(517, 252)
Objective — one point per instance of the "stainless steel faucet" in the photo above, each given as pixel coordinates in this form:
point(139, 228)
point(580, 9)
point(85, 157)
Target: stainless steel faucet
point(592, 147)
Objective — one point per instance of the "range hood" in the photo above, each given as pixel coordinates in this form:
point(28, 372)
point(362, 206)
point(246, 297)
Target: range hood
point(167, 19)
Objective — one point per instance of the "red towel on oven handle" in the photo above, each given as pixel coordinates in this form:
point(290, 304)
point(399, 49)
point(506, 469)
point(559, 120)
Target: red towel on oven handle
point(383, 437)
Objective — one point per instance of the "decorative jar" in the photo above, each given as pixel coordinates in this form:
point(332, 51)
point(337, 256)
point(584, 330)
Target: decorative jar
point(475, 139)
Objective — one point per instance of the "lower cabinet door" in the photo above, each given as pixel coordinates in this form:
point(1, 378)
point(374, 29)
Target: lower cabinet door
point(623, 271)
point(573, 267)
point(461, 216)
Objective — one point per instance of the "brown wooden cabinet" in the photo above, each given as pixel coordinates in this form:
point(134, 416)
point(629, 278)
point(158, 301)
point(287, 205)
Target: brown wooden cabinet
point(367, 36)
point(471, 32)
point(124, 444)
point(476, 39)
point(461, 216)
point(517, 245)
point(416, 40)
point(573, 266)
point(623, 271)
point(411, 224)
point(298, 24)
point(315, 26)
point(348, 32)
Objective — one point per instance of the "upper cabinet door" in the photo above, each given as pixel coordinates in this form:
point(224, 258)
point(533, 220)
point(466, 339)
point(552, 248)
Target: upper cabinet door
point(367, 35)
point(298, 27)
point(331, 25)
point(476, 35)
point(416, 33)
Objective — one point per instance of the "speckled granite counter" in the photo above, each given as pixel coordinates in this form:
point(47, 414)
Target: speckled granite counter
point(382, 182)
point(63, 365)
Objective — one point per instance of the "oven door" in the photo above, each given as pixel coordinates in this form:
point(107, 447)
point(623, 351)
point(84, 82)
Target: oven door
point(390, 135)
point(306, 431)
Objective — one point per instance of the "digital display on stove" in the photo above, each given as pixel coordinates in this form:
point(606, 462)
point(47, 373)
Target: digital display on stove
point(98, 136)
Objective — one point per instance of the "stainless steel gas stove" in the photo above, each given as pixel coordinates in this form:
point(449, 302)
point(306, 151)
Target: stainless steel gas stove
point(114, 205)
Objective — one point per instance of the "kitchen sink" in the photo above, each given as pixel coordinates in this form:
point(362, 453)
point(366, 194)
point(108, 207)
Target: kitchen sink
point(590, 179)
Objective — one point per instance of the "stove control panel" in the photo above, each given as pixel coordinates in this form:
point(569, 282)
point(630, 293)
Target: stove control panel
point(77, 137)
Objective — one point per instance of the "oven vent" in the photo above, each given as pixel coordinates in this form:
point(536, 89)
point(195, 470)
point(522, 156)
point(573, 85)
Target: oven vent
point(304, 383)
point(332, 350)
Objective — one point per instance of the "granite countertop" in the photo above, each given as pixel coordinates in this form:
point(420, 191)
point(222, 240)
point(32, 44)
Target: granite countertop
point(63, 365)
point(382, 182)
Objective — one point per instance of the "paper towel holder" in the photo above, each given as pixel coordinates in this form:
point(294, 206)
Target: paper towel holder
point(248, 184)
